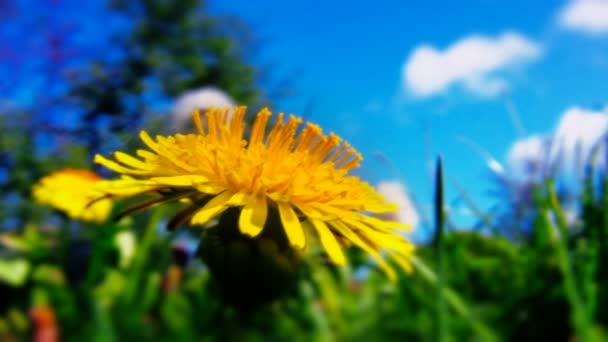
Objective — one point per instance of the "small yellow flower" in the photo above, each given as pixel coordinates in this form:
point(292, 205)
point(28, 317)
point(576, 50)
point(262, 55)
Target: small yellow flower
point(298, 172)
point(73, 192)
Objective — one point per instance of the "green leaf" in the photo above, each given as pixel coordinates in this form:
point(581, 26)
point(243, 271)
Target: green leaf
point(14, 271)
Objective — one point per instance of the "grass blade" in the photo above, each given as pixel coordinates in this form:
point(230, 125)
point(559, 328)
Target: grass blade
point(441, 316)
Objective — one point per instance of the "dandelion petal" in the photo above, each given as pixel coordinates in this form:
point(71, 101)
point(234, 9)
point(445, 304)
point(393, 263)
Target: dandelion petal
point(213, 208)
point(292, 225)
point(131, 161)
point(186, 180)
point(329, 242)
point(370, 250)
point(253, 216)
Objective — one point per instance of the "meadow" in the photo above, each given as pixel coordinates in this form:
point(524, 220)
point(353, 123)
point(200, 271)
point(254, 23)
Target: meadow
point(222, 224)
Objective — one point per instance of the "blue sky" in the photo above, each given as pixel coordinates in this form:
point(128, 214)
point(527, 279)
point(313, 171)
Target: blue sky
point(350, 58)
point(404, 79)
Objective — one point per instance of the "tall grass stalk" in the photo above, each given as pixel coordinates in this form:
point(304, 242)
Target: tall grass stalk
point(580, 319)
point(441, 315)
point(455, 302)
point(486, 219)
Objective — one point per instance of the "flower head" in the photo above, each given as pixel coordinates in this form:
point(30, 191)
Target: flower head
point(73, 192)
point(296, 171)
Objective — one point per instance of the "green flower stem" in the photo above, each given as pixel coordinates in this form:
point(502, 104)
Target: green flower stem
point(99, 250)
point(139, 260)
point(102, 321)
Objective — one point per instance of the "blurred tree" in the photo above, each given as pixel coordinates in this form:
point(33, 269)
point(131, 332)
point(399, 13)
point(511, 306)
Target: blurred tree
point(81, 95)
point(166, 48)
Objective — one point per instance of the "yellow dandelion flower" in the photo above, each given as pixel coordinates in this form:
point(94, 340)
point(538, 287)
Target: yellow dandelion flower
point(73, 191)
point(296, 171)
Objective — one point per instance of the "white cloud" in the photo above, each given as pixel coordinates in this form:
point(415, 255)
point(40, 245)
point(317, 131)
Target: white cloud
point(527, 150)
point(577, 132)
point(590, 16)
point(395, 192)
point(472, 62)
point(527, 156)
point(202, 99)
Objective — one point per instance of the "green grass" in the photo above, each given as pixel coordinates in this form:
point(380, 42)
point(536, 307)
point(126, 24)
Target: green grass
point(466, 285)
